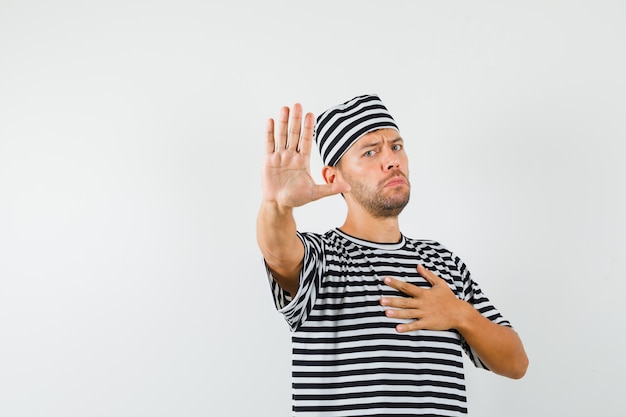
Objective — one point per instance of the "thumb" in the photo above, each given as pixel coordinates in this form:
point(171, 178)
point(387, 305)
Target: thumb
point(340, 187)
point(325, 190)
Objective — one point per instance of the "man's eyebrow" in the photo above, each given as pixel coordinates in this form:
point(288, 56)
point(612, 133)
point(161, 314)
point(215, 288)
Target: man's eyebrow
point(396, 140)
point(376, 142)
point(369, 144)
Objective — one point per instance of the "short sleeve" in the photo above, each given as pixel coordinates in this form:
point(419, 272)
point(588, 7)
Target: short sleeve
point(473, 294)
point(296, 309)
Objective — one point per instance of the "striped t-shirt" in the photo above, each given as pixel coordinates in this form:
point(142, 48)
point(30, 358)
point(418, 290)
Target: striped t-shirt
point(347, 358)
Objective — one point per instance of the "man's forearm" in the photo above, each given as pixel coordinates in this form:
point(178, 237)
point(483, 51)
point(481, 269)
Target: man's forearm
point(499, 347)
point(279, 243)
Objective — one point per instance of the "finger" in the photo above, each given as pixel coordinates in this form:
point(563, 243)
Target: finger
point(295, 127)
point(398, 302)
point(432, 278)
point(405, 287)
point(307, 134)
point(409, 327)
point(403, 313)
point(283, 124)
point(269, 137)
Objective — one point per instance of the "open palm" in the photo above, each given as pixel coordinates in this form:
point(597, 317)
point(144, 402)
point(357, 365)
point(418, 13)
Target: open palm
point(286, 174)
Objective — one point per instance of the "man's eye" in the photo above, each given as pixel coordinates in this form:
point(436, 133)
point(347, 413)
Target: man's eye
point(397, 147)
point(368, 153)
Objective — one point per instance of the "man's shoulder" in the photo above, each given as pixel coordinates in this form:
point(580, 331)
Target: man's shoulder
point(330, 234)
point(430, 247)
point(424, 243)
point(318, 239)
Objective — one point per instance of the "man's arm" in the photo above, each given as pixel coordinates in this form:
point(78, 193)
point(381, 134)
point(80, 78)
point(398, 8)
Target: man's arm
point(282, 250)
point(437, 308)
point(499, 347)
point(286, 184)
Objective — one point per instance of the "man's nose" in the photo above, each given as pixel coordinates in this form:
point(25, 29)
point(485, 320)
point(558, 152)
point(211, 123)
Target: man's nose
point(390, 160)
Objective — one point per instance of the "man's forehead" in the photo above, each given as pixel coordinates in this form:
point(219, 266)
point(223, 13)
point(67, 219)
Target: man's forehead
point(377, 136)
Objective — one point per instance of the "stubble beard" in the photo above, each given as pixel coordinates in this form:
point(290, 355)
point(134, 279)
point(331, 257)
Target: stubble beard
point(378, 201)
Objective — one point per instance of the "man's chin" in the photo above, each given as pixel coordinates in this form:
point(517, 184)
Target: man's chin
point(391, 209)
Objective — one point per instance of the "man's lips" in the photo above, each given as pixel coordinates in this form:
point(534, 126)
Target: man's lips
point(395, 181)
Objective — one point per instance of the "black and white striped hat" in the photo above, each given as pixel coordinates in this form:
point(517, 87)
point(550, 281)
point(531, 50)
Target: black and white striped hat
point(341, 126)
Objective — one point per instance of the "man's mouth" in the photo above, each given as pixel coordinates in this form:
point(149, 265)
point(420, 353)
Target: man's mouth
point(396, 181)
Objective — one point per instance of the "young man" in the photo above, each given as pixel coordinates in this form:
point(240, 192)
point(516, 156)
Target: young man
point(379, 321)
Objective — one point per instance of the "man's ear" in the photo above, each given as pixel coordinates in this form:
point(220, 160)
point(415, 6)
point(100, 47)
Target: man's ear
point(329, 174)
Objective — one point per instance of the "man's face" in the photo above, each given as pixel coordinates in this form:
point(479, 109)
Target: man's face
point(376, 167)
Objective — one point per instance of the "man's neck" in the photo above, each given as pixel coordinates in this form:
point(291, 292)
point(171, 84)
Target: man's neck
point(373, 229)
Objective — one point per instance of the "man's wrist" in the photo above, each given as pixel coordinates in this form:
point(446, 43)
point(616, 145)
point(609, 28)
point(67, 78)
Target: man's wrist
point(466, 316)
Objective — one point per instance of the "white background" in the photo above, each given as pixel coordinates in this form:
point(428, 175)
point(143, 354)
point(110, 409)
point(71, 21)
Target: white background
point(131, 138)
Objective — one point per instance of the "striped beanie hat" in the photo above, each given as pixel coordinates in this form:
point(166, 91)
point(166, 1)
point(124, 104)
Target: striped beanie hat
point(341, 126)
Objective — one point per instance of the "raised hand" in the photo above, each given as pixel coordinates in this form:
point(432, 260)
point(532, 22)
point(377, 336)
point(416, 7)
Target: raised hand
point(286, 178)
